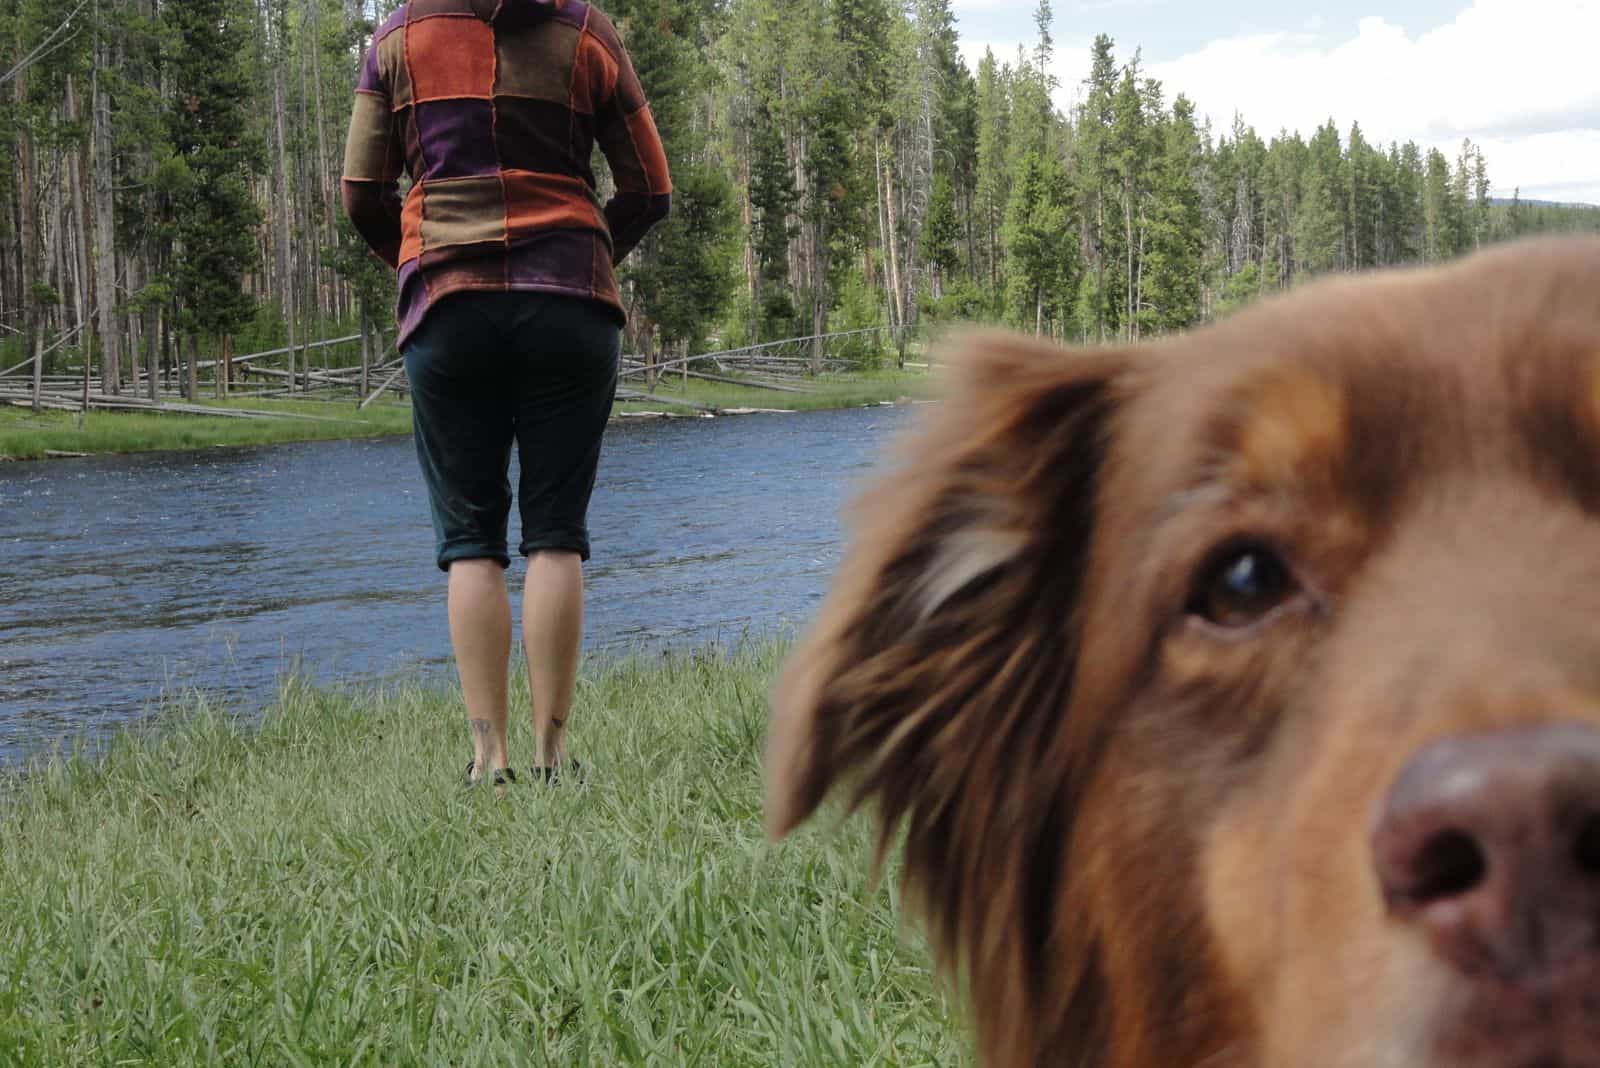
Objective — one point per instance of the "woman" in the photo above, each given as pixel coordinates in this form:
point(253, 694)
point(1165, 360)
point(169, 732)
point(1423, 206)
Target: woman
point(510, 319)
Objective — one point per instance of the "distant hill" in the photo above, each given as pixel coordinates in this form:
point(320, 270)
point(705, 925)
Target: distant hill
point(1547, 204)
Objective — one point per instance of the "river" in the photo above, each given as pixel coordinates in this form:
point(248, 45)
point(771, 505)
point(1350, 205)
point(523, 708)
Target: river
point(128, 580)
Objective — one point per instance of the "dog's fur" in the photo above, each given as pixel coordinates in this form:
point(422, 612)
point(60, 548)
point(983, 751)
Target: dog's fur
point(1141, 837)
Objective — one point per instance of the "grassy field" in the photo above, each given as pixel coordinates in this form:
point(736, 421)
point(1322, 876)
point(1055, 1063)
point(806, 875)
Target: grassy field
point(847, 390)
point(323, 890)
point(26, 436)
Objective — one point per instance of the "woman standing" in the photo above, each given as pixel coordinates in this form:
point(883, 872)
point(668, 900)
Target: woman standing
point(510, 319)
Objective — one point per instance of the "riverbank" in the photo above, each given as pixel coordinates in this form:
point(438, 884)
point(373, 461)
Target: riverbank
point(322, 889)
point(26, 436)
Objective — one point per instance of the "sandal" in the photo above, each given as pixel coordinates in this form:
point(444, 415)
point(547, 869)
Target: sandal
point(568, 768)
point(501, 777)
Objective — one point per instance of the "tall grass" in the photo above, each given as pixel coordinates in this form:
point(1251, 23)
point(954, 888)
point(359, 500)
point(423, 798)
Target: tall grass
point(322, 889)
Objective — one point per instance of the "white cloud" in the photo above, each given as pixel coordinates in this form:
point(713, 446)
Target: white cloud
point(1513, 75)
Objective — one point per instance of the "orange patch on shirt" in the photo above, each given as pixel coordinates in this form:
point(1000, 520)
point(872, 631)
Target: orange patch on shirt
point(548, 202)
point(411, 225)
point(652, 156)
point(450, 58)
point(594, 75)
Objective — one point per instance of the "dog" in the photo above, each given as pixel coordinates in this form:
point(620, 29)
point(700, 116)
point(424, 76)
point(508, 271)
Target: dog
point(1237, 695)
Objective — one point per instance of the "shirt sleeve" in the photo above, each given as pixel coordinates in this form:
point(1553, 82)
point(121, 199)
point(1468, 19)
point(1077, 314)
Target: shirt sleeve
point(626, 132)
point(373, 159)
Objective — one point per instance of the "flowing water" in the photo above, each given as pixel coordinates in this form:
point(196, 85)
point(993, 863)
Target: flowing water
point(126, 579)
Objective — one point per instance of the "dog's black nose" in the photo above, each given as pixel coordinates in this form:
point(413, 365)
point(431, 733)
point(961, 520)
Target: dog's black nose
point(1490, 843)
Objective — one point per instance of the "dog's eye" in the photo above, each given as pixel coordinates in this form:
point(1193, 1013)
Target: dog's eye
point(1241, 585)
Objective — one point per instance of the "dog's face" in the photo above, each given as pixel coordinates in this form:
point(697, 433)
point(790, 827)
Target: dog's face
point(1240, 694)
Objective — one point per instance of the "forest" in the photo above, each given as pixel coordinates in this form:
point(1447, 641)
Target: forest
point(169, 171)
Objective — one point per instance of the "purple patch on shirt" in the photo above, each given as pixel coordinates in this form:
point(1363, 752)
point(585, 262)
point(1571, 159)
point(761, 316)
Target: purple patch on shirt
point(573, 13)
point(457, 138)
point(396, 19)
point(370, 80)
point(554, 257)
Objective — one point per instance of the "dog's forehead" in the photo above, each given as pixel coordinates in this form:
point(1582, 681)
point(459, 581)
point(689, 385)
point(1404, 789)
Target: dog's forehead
point(1377, 383)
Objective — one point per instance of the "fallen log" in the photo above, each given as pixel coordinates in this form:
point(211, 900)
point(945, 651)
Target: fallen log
point(653, 398)
point(753, 384)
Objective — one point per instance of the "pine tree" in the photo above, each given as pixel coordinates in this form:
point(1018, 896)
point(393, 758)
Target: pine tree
point(1360, 206)
point(993, 186)
point(1041, 257)
point(1320, 225)
point(772, 200)
point(1095, 122)
point(1177, 227)
point(215, 159)
point(1130, 147)
point(1443, 214)
point(940, 233)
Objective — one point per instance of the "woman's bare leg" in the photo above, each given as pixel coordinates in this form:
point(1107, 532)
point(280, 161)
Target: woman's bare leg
point(480, 630)
point(552, 636)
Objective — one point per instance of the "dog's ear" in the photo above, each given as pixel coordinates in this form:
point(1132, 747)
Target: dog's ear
point(948, 629)
point(937, 673)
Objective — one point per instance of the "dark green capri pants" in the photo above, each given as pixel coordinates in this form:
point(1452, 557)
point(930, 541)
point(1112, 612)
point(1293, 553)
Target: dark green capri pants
point(487, 369)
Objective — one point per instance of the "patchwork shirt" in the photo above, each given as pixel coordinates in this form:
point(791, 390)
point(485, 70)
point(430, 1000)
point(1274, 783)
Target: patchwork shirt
point(493, 108)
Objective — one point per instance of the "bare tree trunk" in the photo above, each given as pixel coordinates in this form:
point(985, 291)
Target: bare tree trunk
point(29, 233)
point(78, 234)
point(1138, 282)
point(325, 176)
point(285, 247)
point(751, 275)
point(167, 356)
point(366, 349)
point(1100, 265)
point(895, 281)
point(105, 248)
point(224, 366)
point(1127, 231)
point(883, 232)
point(191, 389)
point(819, 294)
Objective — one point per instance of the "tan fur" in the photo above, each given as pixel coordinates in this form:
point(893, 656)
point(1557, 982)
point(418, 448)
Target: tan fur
point(1142, 841)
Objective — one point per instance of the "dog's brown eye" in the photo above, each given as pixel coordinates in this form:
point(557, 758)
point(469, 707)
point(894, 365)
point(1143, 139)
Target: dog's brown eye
point(1241, 586)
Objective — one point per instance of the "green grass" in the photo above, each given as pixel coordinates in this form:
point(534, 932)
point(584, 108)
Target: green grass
point(25, 436)
point(844, 390)
point(321, 889)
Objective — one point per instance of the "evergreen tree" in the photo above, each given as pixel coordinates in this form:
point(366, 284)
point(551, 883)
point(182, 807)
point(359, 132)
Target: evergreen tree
point(1177, 227)
point(215, 159)
point(1320, 225)
point(1041, 256)
point(1516, 217)
point(1095, 122)
point(1361, 202)
point(940, 233)
point(993, 184)
point(689, 278)
point(1442, 215)
point(772, 200)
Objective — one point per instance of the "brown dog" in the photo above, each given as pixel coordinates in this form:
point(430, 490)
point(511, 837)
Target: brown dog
point(1239, 694)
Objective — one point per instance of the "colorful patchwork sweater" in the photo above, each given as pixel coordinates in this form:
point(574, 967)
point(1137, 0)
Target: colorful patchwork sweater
point(493, 107)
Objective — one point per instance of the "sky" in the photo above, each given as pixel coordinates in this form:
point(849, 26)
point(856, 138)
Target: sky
point(1516, 76)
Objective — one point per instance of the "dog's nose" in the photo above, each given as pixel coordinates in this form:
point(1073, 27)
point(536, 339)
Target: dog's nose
point(1490, 844)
